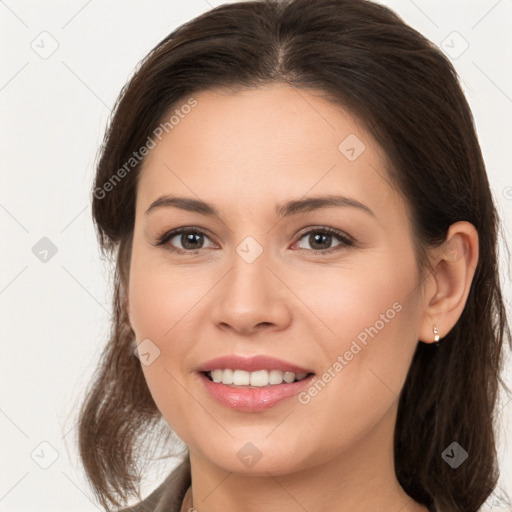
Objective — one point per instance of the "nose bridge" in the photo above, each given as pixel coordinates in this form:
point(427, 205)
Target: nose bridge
point(250, 294)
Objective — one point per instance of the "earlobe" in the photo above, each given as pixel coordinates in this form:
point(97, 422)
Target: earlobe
point(454, 264)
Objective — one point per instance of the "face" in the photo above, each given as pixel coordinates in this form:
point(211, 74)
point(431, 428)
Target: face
point(328, 290)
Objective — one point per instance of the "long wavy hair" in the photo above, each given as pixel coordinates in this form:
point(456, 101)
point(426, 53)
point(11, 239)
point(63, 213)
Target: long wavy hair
point(363, 57)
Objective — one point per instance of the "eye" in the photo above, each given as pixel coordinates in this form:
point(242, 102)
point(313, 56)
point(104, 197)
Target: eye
point(320, 238)
point(191, 240)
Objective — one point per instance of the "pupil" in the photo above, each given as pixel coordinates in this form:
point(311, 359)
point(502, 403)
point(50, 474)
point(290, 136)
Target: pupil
point(189, 238)
point(316, 237)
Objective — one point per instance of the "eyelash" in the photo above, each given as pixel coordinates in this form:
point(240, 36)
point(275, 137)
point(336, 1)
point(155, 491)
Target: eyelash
point(345, 240)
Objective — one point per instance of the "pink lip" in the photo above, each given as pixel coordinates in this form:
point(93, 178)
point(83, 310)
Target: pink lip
point(250, 364)
point(252, 399)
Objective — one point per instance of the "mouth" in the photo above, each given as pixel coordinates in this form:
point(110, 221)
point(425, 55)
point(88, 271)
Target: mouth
point(252, 384)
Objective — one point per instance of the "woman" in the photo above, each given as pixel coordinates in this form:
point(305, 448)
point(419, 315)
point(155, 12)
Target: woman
point(306, 287)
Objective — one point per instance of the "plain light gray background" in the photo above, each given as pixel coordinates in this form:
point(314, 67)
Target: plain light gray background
point(62, 67)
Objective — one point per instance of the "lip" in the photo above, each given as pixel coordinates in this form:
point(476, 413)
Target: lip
point(252, 399)
point(251, 364)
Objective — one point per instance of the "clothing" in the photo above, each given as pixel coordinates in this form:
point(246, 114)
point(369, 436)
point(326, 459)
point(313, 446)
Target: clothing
point(175, 494)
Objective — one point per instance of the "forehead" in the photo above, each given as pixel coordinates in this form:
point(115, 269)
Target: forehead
point(261, 144)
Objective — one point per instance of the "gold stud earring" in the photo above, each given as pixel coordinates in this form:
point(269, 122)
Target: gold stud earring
point(436, 335)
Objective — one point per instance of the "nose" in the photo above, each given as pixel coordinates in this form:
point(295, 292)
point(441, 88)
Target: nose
point(251, 297)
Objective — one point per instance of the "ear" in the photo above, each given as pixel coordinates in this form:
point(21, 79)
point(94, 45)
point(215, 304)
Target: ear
point(447, 288)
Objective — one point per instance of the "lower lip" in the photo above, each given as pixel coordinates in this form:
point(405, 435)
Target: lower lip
point(253, 399)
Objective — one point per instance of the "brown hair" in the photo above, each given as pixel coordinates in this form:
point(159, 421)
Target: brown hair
point(363, 57)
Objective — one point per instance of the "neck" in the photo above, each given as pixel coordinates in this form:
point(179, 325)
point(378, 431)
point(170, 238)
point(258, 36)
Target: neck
point(360, 478)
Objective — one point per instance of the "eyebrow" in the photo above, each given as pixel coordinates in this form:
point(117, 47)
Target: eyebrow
point(286, 209)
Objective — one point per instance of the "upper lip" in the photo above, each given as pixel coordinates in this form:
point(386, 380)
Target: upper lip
point(251, 364)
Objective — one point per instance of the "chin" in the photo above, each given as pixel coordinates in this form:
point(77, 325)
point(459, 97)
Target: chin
point(258, 458)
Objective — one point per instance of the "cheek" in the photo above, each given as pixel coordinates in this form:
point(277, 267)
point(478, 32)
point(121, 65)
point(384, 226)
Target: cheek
point(165, 306)
point(161, 299)
point(372, 315)
point(150, 303)
point(159, 314)
point(375, 299)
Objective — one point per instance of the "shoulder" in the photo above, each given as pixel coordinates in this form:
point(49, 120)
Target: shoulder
point(168, 496)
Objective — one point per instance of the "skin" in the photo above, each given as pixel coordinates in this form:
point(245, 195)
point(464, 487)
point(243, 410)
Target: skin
point(245, 153)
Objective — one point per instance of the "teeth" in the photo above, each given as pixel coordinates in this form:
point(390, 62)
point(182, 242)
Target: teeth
point(227, 377)
point(241, 378)
point(260, 378)
point(289, 377)
point(216, 375)
point(275, 377)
